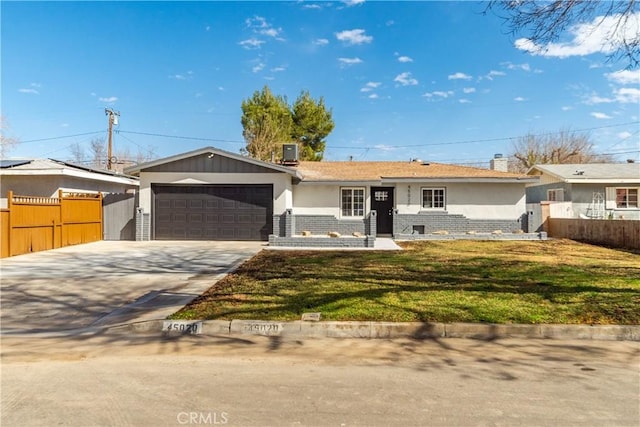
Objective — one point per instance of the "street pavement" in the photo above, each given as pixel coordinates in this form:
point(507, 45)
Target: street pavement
point(138, 380)
point(107, 282)
point(126, 376)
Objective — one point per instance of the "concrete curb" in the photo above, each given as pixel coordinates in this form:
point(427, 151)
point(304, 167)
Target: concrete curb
point(390, 330)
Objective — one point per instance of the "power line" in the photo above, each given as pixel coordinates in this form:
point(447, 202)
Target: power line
point(471, 141)
point(193, 138)
point(59, 137)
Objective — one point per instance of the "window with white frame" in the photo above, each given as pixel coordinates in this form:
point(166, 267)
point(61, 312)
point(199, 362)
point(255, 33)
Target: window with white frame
point(626, 198)
point(555, 195)
point(433, 198)
point(352, 201)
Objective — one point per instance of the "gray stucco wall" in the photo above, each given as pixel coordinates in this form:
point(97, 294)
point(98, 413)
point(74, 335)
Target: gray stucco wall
point(538, 193)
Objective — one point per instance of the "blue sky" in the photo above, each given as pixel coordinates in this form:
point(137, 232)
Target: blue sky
point(439, 81)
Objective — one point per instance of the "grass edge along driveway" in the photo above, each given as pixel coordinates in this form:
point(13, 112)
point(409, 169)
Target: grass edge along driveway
point(528, 282)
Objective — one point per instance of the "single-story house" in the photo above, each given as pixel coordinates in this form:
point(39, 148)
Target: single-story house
point(45, 177)
point(599, 190)
point(210, 194)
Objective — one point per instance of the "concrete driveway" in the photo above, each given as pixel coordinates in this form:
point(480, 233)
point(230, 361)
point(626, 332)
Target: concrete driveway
point(107, 283)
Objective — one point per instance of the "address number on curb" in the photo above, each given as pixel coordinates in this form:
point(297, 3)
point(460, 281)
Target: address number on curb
point(182, 326)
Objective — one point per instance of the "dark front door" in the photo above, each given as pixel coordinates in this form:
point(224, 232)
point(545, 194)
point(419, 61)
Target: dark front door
point(382, 203)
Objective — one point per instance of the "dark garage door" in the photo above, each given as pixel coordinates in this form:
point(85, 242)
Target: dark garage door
point(213, 212)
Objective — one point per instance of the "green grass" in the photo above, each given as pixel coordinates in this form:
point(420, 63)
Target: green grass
point(557, 281)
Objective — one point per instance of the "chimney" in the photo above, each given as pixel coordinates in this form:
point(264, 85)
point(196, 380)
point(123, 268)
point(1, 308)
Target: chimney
point(499, 163)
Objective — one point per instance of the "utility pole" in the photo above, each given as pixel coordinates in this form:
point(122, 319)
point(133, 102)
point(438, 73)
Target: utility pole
point(113, 120)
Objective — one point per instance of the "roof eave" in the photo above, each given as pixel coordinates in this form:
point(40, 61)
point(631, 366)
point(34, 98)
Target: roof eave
point(137, 169)
point(118, 179)
point(462, 179)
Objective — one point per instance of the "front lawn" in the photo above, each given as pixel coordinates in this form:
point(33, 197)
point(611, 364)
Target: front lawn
point(555, 281)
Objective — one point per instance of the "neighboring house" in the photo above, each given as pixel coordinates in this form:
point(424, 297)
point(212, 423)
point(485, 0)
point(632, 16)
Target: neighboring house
point(606, 190)
point(210, 194)
point(45, 177)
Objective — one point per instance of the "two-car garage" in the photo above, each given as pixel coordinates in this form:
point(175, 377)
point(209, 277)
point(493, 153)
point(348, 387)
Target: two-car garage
point(211, 194)
point(212, 212)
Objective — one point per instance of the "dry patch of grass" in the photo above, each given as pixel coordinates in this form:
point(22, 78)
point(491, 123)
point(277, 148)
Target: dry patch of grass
point(558, 281)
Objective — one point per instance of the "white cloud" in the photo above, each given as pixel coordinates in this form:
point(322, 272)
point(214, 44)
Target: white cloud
point(259, 25)
point(624, 76)
point(438, 93)
point(443, 94)
point(321, 42)
point(311, 6)
point(464, 101)
point(459, 76)
point(350, 61)
point(624, 135)
point(405, 79)
point(494, 73)
point(33, 89)
point(178, 77)
point(390, 23)
point(252, 43)
point(384, 147)
point(350, 3)
point(469, 90)
point(207, 28)
point(567, 108)
point(271, 32)
point(354, 37)
point(603, 34)
point(373, 96)
point(512, 66)
point(370, 86)
point(596, 99)
point(519, 99)
point(109, 100)
point(600, 116)
point(278, 69)
point(628, 95)
point(405, 59)
point(258, 67)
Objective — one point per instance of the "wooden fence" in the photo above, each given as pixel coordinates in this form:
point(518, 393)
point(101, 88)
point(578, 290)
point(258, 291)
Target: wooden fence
point(615, 233)
point(32, 224)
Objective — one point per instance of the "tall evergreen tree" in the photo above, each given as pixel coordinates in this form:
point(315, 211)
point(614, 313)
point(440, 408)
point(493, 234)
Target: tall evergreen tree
point(312, 122)
point(267, 122)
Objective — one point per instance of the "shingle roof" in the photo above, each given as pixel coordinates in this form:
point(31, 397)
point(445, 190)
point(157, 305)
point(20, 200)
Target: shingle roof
point(375, 171)
point(56, 167)
point(592, 171)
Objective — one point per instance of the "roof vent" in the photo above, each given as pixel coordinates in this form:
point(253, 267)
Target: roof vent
point(579, 172)
point(497, 156)
point(416, 160)
point(425, 163)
